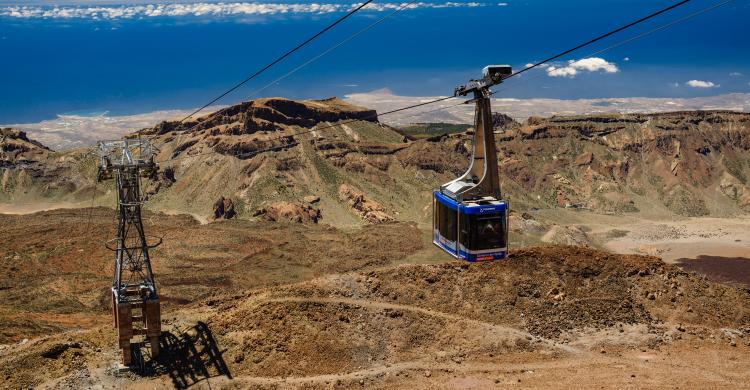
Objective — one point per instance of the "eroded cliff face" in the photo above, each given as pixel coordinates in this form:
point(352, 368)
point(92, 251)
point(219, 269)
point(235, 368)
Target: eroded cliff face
point(18, 151)
point(250, 126)
point(693, 163)
point(29, 169)
point(268, 152)
point(269, 114)
point(685, 163)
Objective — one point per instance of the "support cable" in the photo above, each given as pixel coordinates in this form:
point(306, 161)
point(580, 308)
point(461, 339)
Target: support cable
point(618, 44)
point(332, 48)
point(279, 59)
point(317, 57)
point(552, 58)
point(636, 37)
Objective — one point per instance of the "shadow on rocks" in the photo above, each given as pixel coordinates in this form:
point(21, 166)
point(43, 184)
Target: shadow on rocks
point(189, 357)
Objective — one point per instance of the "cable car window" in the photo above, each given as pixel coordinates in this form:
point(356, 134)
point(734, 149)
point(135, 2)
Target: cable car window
point(489, 231)
point(446, 222)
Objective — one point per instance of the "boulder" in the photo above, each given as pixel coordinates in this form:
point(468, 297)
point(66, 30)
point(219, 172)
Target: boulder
point(224, 208)
point(229, 208)
point(219, 208)
point(500, 120)
point(311, 199)
point(289, 212)
point(163, 179)
point(584, 158)
point(368, 209)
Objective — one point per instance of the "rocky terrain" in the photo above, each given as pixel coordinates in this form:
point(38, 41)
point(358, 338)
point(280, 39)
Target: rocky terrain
point(681, 163)
point(29, 169)
point(54, 269)
point(297, 254)
point(623, 162)
point(529, 322)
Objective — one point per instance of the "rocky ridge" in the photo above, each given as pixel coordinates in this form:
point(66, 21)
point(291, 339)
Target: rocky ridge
point(29, 169)
point(250, 126)
point(614, 163)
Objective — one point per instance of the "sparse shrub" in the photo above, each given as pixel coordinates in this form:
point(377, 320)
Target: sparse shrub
point(683, 202)
point(617, 233)
point(426, 130)
point(736, 168)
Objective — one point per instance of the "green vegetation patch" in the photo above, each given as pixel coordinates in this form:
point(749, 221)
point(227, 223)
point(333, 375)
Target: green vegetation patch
point(374, 132)
point(683, 202)
point(426, 130)
point(736, 168)
point(617, 233)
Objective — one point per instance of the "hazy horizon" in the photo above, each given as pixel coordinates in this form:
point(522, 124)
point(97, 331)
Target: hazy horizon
point(80, 130)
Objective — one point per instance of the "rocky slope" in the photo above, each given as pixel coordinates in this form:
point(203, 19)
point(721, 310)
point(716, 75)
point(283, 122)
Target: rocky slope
point(547, 312)
point(217, 155)
point(250, 126)
point(541, 297)
point(691, 163)
point(30, 170)
point(682, 163)
point(19, 153)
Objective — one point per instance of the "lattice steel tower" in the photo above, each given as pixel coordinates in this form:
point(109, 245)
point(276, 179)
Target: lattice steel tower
point(134, 296)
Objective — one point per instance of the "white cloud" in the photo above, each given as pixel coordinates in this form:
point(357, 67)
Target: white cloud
point(592, 64)
point(701, 84)
point(204, 9)
point(735, 74)
point(626, 59)
point(566, 71)
point(674, 85)
point(539, 66)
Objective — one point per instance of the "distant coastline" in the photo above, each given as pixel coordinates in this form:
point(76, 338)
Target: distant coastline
point(83, 128)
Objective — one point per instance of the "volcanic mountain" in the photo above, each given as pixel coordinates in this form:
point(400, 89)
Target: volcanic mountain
point(352, 293)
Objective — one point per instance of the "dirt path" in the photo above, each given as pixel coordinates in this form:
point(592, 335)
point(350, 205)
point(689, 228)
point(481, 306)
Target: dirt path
point(420, 365)
point(200, 218)
point(669, 369)
point(30, 208)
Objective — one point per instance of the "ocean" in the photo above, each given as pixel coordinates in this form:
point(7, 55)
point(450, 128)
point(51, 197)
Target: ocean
point(56, 61)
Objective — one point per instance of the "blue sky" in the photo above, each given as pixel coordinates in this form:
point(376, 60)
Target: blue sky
point(95, 56)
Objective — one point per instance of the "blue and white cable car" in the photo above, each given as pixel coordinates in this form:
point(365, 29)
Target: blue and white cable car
point(470, 217)
point(472, 230)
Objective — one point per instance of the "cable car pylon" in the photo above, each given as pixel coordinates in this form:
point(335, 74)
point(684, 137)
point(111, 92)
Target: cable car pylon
point(135, 302)
point(470, 217)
